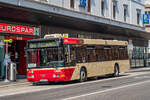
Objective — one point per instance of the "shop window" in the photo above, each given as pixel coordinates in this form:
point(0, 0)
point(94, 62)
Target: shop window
point(72, 3)
point(114, 9)
point(125, 12)
point(89, 5)
point(102, 7)
point(138, 16)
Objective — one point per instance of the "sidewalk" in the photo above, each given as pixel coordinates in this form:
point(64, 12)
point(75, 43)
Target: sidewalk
point(23, 80)
point(20, 80)
point(143, 69)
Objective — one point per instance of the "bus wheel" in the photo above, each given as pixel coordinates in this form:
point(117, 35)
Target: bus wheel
point(83, 75)
point(116, 71)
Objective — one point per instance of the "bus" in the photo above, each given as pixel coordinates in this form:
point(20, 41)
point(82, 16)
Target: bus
point(66, 59)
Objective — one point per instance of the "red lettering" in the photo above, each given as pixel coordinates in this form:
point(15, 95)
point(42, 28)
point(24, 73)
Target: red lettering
point(17, 29)
point(31, 30)
point(13, 28)
point(9, 28)
point(1, 27)
point(22, 29)
point(26, 30)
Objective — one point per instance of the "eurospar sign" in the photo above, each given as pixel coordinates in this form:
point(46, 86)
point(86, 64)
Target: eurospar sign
point(8, 28)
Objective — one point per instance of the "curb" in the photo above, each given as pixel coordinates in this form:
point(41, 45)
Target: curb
point(139, 70)
point(14, 84)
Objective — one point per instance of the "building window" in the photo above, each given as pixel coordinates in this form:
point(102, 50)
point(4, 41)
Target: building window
point(125, 12)
point(102, 7)
point(89, 5)
point(138, 16)
point(72, 3)
point(114, 9)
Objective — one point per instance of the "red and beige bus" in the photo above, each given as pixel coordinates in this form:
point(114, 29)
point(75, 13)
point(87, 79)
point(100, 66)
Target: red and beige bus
point(66, 59)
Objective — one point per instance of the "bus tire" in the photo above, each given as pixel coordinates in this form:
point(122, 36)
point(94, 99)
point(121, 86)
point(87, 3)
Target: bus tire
point(116, 70)
point(83, 75)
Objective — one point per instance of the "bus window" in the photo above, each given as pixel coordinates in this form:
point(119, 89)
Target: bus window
point(32, 56)
point(91, 53)
point(48, 57)
point(70, 55)
point(81, 54)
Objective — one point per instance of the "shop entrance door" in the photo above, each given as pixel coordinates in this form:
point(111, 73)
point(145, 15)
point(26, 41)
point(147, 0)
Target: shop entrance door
point(20, 46)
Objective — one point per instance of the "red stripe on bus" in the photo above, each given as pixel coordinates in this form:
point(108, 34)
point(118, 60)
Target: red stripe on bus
point(50, 74)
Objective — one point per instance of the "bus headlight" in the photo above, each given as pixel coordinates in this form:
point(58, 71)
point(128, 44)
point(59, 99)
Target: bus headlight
point(54, 75)
point(31, 76)
point(58, 75)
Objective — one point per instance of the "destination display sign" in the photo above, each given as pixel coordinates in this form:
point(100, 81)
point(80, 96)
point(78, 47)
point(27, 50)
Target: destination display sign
point(42, 44)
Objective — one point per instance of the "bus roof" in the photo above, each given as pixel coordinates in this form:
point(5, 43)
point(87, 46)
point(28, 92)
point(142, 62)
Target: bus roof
point(85, 41)
point(104, 42)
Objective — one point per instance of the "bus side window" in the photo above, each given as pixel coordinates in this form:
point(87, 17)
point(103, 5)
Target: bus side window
point(72, 56)
point(101, 54)
point(116, 53)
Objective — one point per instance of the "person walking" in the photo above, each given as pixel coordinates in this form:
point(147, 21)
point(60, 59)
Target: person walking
point(7, 61)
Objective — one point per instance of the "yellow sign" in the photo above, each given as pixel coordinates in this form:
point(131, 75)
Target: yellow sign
point(8, 40)
point(65, 35)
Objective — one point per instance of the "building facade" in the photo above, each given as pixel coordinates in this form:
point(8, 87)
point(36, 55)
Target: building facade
point(147, 11)
point(147, 26)
point(126, 11)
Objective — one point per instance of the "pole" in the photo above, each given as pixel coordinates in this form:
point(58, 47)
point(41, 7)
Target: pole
point(6, 78)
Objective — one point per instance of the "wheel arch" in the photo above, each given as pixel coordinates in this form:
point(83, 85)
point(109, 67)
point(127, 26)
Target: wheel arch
point(83, 67)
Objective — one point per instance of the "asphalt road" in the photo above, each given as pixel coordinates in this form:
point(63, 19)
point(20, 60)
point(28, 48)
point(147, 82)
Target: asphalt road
point(127, 87)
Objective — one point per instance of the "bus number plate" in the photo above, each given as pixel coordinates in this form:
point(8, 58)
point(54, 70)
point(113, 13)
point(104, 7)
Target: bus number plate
point(43, 80)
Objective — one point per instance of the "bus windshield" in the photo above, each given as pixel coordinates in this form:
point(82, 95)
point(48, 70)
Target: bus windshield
point(45, 57)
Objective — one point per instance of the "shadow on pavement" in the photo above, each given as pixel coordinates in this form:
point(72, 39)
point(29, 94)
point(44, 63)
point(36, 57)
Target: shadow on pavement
point(75, 81)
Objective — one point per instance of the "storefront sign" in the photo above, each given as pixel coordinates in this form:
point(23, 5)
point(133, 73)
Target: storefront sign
point(83, 3)
point(8, 28)
point(145, 18)
point(65, 35)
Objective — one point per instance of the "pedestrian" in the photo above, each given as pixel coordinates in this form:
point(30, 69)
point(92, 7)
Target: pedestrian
point(6, 62)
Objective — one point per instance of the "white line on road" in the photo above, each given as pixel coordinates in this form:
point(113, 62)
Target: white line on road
point(98, 92)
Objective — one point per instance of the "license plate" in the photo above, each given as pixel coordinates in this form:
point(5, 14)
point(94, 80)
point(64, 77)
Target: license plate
point(43, 80)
